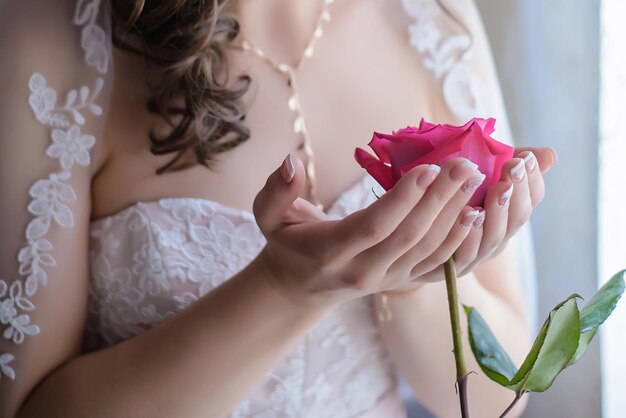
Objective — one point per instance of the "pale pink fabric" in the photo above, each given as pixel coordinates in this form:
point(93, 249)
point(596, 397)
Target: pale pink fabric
point(153, 259)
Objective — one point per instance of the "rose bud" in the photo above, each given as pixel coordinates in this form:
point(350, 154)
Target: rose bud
point(436, 144)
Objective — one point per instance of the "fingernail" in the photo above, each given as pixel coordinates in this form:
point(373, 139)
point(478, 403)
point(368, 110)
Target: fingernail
point(469, 218)
point(506, 196)
point(459, 170)
point(428, 176)
point(480, 218)
point(530, 161)
point(470, 164)
point(287, 170)
point(473, 182)
point(517, 172)
point(555, 156)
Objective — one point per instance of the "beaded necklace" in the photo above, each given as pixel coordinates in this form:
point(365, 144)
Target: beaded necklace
point(290, 72)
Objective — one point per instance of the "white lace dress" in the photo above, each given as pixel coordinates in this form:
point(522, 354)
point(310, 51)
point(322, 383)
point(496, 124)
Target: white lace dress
point(154, 259)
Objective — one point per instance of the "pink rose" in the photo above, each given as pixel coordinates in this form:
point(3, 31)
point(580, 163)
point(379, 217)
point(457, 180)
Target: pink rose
point(436, 144)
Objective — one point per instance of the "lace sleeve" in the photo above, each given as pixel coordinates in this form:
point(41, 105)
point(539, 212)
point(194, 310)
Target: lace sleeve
point(452, 45)
point(54, 79)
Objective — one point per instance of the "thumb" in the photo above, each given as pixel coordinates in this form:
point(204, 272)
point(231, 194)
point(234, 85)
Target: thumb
point(281, 189)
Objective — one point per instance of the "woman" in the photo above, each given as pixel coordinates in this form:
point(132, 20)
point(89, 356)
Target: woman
point(193, 309)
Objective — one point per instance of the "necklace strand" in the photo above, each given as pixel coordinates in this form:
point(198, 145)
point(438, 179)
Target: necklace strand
point(299, 125)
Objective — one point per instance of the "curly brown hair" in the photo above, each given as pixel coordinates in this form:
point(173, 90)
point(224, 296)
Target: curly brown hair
point(187, 39)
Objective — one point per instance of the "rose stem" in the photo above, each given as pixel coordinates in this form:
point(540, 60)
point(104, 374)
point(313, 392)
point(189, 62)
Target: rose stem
point(518, 396)
point(459, 355)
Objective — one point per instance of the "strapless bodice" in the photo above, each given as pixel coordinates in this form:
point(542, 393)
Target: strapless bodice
point(153, 259)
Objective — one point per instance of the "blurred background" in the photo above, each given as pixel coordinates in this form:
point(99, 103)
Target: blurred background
point(548, 55)
point(562, 67)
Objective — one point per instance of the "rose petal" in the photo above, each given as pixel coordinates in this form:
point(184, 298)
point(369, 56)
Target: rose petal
point(438, 156)
point(425, 125)
point(378, 144)
point(487, 125)
point(379, 171)
point(436, 144)
point(399, 154)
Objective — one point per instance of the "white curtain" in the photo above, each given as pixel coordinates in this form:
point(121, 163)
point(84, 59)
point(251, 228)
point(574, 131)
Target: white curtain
point(612, 199)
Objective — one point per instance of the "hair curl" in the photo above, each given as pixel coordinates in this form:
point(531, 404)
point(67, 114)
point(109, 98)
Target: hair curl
point(186, 39)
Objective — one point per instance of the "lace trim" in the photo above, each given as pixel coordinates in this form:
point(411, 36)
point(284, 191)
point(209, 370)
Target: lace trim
point(51, 195)
point(43, 100)
point(93, 39)
point(441, 56)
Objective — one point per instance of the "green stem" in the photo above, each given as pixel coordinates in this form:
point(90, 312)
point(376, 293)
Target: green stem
point(455, 322)
point(518, 396)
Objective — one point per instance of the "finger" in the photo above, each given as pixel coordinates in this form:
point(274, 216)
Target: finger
point(369, 226)
point(433, 276)
point(303, 211)
point(441, 227)
point(546, 156)
point(469, 268)
point(495, 226)
point(460, 230)
point(500, 248)
point(520, 205)
point(536, 186)
point(468, 250)
point(420, 219)
point(280, 191)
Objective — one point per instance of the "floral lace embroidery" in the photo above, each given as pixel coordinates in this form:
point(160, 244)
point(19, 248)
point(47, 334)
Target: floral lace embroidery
point(93, 39)
point(118, 298)
point(5, 369)
point(195, 260)
point(441, 56)
point(51, 195)
point(18, 324)
point(175, 250)
point(43, 101)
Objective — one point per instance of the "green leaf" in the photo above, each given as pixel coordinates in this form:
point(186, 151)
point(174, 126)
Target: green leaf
point(552, 350)
point(583, 343)
point(598, 309)
point(489, 354)
point(562, 340)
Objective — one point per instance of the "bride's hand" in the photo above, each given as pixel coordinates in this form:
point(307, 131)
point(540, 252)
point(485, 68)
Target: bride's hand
point(422, 220)
point(508, 206)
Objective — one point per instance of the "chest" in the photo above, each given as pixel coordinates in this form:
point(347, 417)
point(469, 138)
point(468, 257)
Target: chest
point(363, 76)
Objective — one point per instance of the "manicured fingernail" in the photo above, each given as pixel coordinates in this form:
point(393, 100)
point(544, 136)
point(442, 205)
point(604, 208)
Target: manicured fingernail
point(470, 164)
point(506, 196)
point(480, 218)
point(428, 175)
point(287, 170)
point(530, 161)
point(473, 183)
point(555, 157)
point(469, 218)
point(517, 172)
point(459, 171)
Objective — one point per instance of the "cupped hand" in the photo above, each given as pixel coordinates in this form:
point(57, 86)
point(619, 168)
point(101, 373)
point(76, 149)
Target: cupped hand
point(508, 206)
point(416, 225)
